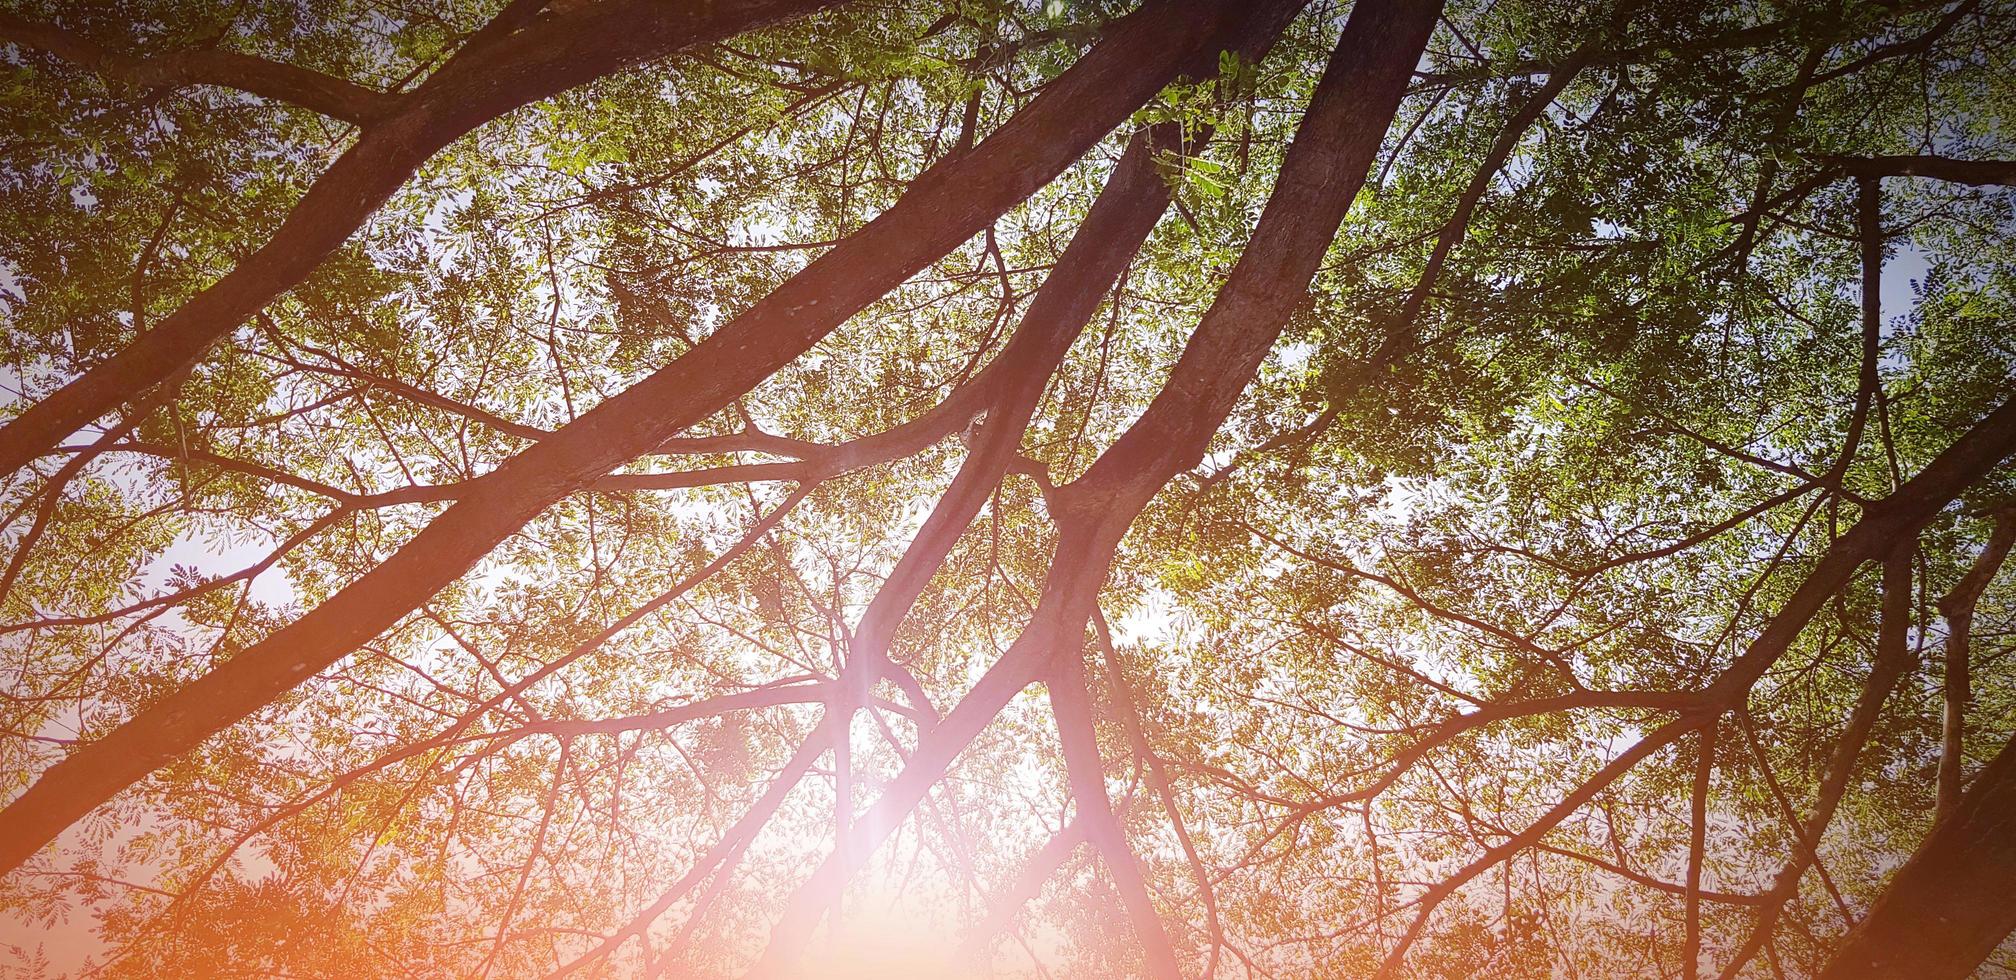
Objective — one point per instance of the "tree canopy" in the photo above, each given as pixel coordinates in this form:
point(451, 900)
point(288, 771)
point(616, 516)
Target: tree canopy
point(1196, 488)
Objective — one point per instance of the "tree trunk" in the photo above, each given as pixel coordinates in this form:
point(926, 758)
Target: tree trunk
point(1949, 906)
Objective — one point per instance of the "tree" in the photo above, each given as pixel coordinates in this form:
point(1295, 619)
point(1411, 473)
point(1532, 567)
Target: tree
point(593, 487)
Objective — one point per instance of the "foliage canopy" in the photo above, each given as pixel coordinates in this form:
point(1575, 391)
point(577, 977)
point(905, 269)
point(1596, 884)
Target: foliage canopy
point(1273, 488)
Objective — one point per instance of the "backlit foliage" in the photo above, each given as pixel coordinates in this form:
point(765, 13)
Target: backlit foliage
point(1548, 485)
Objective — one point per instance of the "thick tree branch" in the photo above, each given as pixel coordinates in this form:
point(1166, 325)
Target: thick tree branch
point(1893, 659)
point(1121, 219)
point(1072, 709)
point(1958, 608)
point(331, 96)
point(1948, 908)
point(477, 86)
point(1704, 771)
point(944, 206)
point(1158, 776)
point(1884, 522)
point(1980, 173)
point(1333, 148)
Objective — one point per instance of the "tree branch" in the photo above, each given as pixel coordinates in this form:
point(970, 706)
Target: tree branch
point(1958, 608)
point(1980, 173)
point(334, 97)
